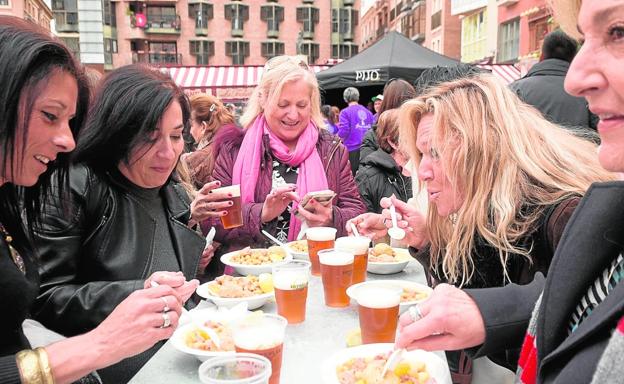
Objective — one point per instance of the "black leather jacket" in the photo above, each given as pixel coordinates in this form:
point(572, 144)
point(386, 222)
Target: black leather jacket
point(98, 249)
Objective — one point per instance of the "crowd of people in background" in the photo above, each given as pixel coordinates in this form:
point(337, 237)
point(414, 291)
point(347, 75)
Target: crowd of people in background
point(109, 185)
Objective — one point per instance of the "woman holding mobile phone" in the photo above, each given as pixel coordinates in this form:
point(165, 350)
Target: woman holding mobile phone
point(283, 153)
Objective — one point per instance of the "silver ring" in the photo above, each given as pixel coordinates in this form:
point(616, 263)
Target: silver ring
point(166, 308)
point(166, 320)
point(414, 312)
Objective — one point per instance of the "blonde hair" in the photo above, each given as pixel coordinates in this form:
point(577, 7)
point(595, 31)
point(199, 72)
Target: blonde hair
point(209, 109)
point(279, 71)
point(504, 157)
point(565, 13)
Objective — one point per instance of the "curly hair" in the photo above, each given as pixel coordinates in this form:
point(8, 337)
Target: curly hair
point(504, 157)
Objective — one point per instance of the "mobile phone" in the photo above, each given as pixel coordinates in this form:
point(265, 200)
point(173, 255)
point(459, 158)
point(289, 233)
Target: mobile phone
point(323, 197)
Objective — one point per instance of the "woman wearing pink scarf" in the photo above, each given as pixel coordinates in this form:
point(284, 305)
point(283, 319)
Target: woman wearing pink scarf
point(284, 153)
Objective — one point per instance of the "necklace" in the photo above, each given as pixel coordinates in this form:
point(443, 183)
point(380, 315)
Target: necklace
point(17, 259)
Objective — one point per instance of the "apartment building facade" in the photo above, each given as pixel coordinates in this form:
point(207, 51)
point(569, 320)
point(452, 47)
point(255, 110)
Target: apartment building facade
point(427, 22)
point(36, 11)
point(205, 32)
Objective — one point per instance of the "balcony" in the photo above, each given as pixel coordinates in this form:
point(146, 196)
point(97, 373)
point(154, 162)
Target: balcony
point(459, 7)
point(273, 33)
point(66, 21)
point(418, 38)
point(157, 58)
point(308, 35)
point(164, 25)
point(506, 3)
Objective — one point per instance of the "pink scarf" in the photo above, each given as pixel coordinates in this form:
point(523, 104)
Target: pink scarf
point(311, 175)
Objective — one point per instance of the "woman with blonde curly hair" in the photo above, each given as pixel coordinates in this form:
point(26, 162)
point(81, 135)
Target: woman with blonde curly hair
point(502, 183)
point(497, 174)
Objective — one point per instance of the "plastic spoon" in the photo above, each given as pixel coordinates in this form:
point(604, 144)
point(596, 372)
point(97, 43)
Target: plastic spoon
point(274, 240)
point(354, 229)
point(395, 232)
point(210, 237)
point(211, 333)
point(393, 360)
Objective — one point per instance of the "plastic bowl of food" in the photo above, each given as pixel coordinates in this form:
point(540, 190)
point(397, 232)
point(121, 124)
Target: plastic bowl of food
point(228, 291)
point(386, 260)
point(192, 340)
point(250, 261)
point(413, 293)
point(299, 249)
point(366, 362)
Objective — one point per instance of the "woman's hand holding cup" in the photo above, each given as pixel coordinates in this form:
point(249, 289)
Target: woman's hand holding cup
point(210, 204)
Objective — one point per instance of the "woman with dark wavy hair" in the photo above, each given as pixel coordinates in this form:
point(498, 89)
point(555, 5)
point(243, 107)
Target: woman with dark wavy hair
point(43, 102)
point(128, 224)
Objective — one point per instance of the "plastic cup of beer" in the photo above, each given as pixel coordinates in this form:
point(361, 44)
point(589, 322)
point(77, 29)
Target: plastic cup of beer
point(234, 217)
point(262, 334)
point(378, 308)
point(239, 368)
point(319, 238)
point(358, 245)
point(290, 282)
point(337, 274)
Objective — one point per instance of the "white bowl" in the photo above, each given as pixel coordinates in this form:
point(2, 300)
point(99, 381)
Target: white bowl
point(436, 364)
point(253, 302)
point(203, 315)
point(249, 269)
point(298, 255)
point(388, 268)
point(352, 290)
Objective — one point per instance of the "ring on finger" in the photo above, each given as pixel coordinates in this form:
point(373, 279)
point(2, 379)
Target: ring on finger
point(166, 320)
point(166, 307)
point(415, 313)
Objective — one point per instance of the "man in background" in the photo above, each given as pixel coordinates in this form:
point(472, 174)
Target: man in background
point(542, 86)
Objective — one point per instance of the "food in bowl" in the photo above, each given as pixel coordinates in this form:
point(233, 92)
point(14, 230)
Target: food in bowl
point(367, 370)
point(250, 256)
point(238, 287)
point(410, 294)
point(383, 253)
point(300, 246)
point(197, 338)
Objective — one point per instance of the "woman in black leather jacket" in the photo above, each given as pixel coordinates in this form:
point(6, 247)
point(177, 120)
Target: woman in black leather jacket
point(128, 212)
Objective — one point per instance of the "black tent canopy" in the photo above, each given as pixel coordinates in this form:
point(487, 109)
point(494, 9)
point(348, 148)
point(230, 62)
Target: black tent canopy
point(391, 57)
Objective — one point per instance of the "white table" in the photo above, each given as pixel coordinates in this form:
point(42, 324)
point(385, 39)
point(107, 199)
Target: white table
point(306, 347)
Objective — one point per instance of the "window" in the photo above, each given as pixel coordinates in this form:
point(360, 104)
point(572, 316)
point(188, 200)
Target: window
point(65, 5)
point(110, 45)
point(237, 50)
point(237, 13)
point(273, 15)
point(436, 45)
point(162, 17)
point(538, 29)
point(109, 13)
point(420, 14)
point(311, 50)
point(4, 3)
point(272, 48)
point(202, 50)
point(66, 21)
point(437, 6)
point(73, 43)
point(348, 20)
point(163, 53)
point(436, 20)
point(508, 41)
point(201, 12)
point(309, 16)
point(344, 51)
point(474, 37)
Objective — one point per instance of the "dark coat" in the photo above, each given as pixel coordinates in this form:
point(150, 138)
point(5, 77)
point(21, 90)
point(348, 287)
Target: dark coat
point(592, 240)
point(488, 272)
point(380, 176)
point(542, 87)
point(99, 252)
point(346, 205)
point(369, 143)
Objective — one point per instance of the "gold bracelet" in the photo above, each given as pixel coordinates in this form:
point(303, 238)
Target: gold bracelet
point(44, 365)
point(28, 364)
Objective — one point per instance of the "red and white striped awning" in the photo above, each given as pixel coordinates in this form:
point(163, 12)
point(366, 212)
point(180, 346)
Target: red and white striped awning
point(220, 77)
point(232, 82)
point(506, 72)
